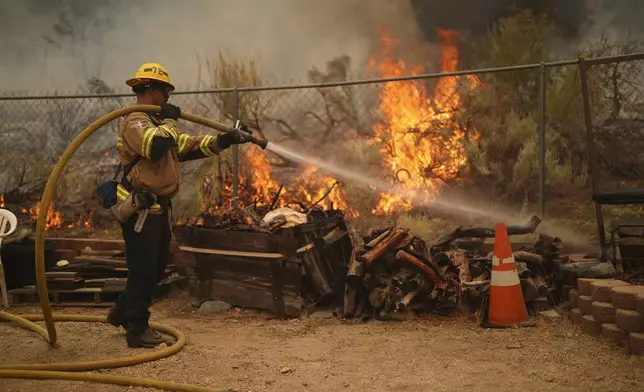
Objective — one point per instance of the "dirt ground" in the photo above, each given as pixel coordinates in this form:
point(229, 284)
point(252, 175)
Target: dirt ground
point(247, 352)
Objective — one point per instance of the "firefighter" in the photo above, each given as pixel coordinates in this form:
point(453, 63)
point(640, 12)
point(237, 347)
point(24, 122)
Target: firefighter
point(151, 147)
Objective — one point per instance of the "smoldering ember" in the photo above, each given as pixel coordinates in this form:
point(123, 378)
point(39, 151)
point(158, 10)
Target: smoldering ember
point(447, 199)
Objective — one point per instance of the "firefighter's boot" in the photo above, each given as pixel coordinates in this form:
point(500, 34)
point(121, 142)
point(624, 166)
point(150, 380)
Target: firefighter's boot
point(147, 339)
point(117, 317)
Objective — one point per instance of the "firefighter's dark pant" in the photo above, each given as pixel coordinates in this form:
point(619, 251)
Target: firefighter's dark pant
point(147, 254)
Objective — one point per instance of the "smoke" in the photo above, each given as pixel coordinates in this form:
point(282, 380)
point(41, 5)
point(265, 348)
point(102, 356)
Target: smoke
point(578, 21)
point(58, 45)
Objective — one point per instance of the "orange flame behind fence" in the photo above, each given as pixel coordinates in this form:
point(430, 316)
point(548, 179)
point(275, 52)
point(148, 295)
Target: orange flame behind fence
point(84, 221)
point(414, 148)
point(260, 175)
point(54, 218)
point(415, 153)
point(308, 188)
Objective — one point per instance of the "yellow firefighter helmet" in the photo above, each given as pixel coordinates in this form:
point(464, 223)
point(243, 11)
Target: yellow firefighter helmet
point(150, 73)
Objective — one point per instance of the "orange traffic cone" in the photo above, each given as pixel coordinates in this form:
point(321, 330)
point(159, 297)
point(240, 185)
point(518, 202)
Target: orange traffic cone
point(506, 305)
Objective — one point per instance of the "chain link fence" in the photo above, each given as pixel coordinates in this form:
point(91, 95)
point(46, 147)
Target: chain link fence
point(613, 95)
point(516, 134)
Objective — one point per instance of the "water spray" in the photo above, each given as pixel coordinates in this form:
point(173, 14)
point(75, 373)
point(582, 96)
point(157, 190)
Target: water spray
point(413, 196)
point(418, 197)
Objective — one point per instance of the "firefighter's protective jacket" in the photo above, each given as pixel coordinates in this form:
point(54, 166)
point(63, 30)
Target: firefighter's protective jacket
point(162, 177)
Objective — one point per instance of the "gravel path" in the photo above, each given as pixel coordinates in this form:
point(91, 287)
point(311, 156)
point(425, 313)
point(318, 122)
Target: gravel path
point(246, 352)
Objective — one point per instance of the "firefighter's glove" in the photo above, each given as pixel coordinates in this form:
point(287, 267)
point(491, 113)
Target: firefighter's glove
point(145, 200)
point(170, 111)
point(234, 136)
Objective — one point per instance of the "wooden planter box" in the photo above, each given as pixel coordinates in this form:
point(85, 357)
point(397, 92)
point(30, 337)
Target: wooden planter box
point(242, 268)
point(324, 249)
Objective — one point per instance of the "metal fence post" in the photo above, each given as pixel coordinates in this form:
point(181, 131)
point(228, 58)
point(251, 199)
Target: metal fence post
point(542, 142)
point(592, 155)
point(235, 151)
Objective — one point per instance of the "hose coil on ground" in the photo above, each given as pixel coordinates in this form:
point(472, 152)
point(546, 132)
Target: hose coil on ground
point(69, 370)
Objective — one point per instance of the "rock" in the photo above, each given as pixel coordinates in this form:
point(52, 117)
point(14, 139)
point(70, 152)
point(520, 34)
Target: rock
point(551, 315)
point(285, 370)
point(62, 263)
point(196, 302)
point(589, 269)
point(346, 385)
point(323, 314)
point(214, 307)
point(18, 235)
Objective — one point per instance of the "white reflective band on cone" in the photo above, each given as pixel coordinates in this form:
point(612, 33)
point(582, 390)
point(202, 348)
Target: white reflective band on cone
point(505, 278)
point(497, 261)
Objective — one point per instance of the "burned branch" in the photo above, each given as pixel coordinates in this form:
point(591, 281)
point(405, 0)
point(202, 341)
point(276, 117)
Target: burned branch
point(277, 196)
point(328, 192)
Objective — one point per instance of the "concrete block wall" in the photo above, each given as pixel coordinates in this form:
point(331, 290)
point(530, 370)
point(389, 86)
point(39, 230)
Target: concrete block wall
point(610, 309)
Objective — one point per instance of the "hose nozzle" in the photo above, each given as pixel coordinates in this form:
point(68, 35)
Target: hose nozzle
point(260, 142)
point(246, 135)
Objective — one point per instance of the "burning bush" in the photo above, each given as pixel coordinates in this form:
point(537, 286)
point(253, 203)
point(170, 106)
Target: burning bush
point(418, 143)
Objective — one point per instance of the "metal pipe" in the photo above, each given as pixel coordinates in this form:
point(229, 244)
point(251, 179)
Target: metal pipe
point(615, 59)
point(598, 60)
point(542, 142)
point(312, 85)
point(235, 151)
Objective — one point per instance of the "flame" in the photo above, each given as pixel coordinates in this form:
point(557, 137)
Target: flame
point(258, 183)
point(83, 221)
point(421, 143)
point(1, 201)
point(260, 176)
point(312, 187)
point(54, 219)
point(416, 154)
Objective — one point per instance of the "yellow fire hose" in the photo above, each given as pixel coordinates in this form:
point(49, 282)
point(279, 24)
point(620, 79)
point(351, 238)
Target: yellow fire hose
point(68, 371)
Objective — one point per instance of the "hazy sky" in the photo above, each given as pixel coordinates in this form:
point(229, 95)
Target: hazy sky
point(111, 38)
point(290, 36)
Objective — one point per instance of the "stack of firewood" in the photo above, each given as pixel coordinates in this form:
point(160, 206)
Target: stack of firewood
point(393, 271)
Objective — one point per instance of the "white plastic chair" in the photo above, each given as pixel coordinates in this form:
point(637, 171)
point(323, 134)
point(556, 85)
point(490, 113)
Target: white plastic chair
point(6, 217)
